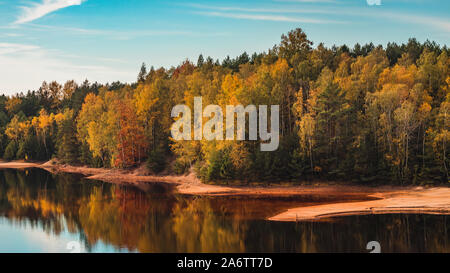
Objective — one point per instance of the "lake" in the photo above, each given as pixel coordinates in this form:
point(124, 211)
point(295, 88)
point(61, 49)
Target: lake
point(44, 212)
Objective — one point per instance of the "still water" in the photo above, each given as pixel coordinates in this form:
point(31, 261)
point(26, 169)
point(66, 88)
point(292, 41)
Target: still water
point(44, 212)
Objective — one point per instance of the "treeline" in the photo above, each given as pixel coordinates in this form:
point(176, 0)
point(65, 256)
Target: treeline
point(363, 114)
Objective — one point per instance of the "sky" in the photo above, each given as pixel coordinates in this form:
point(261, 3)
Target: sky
point(107, 40)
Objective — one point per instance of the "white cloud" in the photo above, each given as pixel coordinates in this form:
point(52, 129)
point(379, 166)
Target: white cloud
point(258, 14)
point(266, 17)
point(435, 22)
point(122, 35)
point(24, 67)
point(38, 10)
point(9, 48)
point(263, 10)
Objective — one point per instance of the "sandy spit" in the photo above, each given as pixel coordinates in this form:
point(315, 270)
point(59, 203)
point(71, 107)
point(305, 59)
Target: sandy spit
point(434, 200)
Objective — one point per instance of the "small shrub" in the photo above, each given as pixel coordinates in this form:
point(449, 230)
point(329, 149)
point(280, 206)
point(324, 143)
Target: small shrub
point(156, 161)
point(10, 151)
point(180, 167)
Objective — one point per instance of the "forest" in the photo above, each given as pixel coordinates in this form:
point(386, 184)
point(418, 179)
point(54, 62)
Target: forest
point(367, 114)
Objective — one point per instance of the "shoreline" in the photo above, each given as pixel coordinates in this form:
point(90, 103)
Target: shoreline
point(191, 185)
point(346, 198)
point(435, 200)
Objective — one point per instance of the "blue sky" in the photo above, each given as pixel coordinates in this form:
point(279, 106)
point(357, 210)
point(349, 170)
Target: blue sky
point(107, 40)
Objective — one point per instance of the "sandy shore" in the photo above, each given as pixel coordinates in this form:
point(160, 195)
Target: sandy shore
point(413, 200)
point(17, 165)
point(341, 199)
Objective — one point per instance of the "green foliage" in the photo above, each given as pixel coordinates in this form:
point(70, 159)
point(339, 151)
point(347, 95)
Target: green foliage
point(67, 143)
point(10, 151)
point(27, 148)
point(156, 160)
point(180, 166)
point(218, 167)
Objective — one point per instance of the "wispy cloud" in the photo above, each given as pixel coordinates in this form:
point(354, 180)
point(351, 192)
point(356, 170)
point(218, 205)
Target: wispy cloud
point(10, 48)
point(287, 14)
point(263, 10)
point(434, 22)
point(10, 35)
point(37, 10)
point(122, 35)
point(37, 64)
point(266, 17)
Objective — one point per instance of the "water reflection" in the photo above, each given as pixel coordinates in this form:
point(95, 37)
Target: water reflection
point(106, 217)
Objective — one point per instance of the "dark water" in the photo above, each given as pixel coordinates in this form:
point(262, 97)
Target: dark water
point(43, 212)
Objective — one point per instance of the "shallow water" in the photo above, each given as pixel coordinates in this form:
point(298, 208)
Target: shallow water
point(44, 212)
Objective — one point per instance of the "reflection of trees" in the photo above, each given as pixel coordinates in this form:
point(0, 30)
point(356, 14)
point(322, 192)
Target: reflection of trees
point(125, 219)
point(20, 202)
point(198, 229)
point(412, 233)
point(395, 233)
point(121, 216)
point(130, 218)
